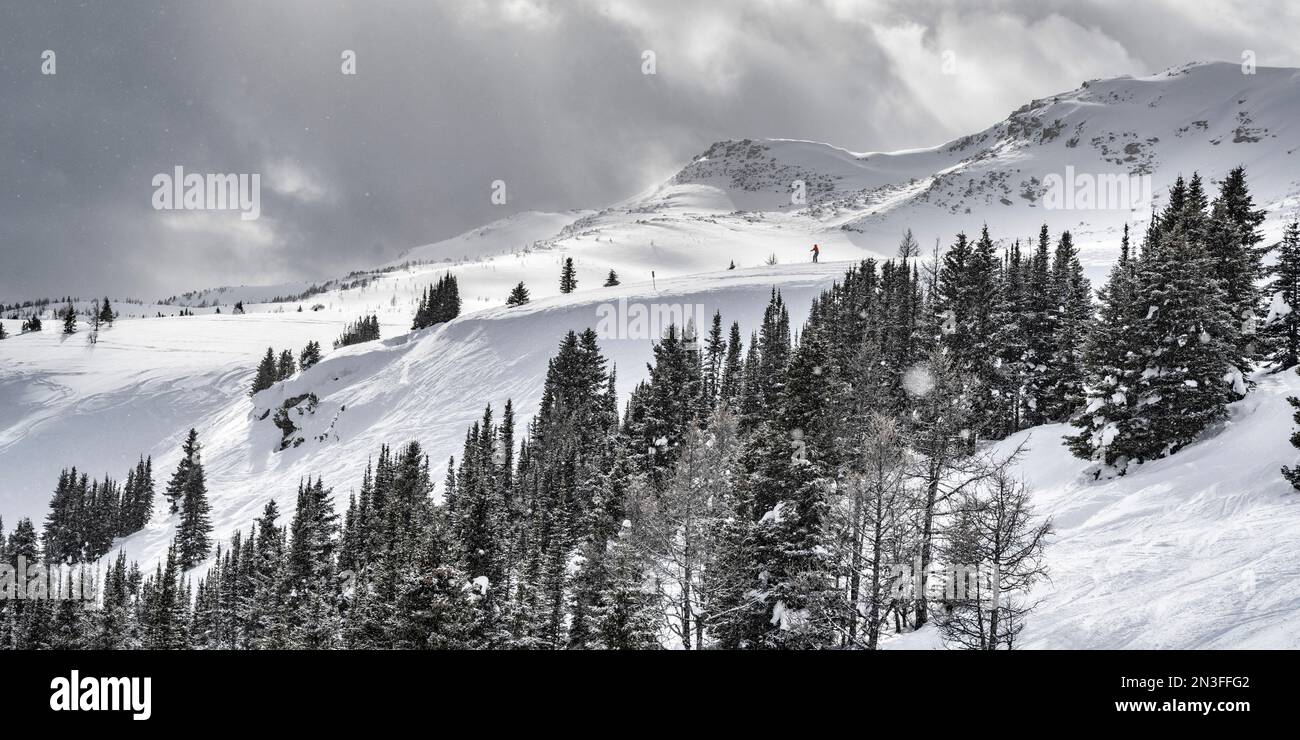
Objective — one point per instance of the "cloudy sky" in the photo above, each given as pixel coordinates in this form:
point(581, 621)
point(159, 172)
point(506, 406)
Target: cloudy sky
point(450, 95)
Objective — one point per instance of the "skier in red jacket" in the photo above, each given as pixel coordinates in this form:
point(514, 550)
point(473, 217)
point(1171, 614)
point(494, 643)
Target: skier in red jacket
point(816, 251)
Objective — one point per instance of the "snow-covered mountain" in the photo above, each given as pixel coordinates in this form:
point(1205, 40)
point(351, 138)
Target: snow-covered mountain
point(1186, 527)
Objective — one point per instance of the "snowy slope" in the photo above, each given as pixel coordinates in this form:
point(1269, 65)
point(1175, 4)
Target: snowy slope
point(1200, 550)
point(516, 233)
point(97, 407)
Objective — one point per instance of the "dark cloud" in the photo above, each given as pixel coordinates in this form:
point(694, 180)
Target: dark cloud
point(449, 96)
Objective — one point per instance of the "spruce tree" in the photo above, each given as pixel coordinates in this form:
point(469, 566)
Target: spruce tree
point(310, 355)
point(611, 280)
point(1291, 474)
point(194, 533)
point(1041, 317)
point(286, 367)
point(267, 622)
point(69, 319)
point(626, 617)
point(267, 373)
point(568, 277)
point(1110, 376)
point(518, 295)
point(189, 458)
point(1282, 327)
point(1185, 337)
point(1233, 240)
point(1072, 296)
point(729, 385)
point(715, 347)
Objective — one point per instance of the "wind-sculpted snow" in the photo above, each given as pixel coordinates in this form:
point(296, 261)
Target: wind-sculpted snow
point(1199, 550)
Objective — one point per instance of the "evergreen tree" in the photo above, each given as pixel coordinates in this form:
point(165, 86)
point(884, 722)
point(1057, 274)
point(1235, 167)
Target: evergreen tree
point(1111, 377)
point(729, 385)
point(286, 367)
point(438, 304)
point(626, 617)
point(611, 280)
point(364, 329)
point(1072, 296)
point(568, 277)
point(1041, 317)
point(310, 355)
point(187, 492)
point(1181, 371)
point(267, 622)
point(715, 347)
point(106, 314)
point(673, 400)
point(69, 319)
point(312, 589)
point(189, 458)
point(267, 373)
point(1283, 324)
point(967, 299)
point(1291, 474)
point(165, 606)
point(1232, 237)
point(518, 296)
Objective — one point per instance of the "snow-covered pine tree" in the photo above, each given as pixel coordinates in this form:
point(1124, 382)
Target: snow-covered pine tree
point(1291, 474)
point(627, 615)
point(1041, 316)
point(163, 622)
point(715, 347)
point(1111, 377)
point(1282, 326)
point(312, 605)
point(1072, 299)
point(1185, 340)
point(1233, 240)
point(674, 400)
point(1010, 332)
point(729, 386)
point(266, 620)
point(611, 280)
point(967, 297)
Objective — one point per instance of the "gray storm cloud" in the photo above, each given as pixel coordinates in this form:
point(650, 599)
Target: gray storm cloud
point(450, 96)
